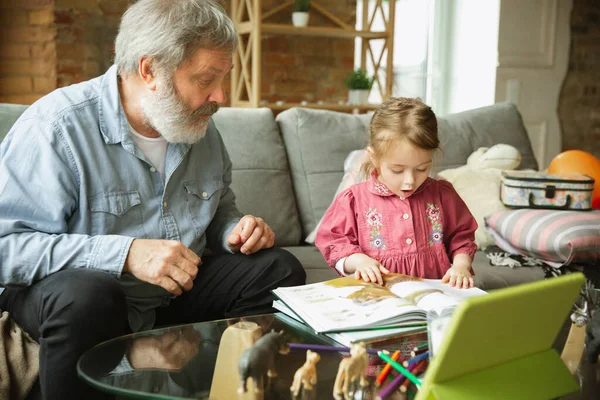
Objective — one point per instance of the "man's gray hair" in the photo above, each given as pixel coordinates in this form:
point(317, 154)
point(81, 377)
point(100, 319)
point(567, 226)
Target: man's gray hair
point(170, 31)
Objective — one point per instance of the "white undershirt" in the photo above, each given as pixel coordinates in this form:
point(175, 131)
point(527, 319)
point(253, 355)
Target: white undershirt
point(155, 149)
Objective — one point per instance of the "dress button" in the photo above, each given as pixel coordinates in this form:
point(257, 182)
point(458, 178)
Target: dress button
point(409, 241)
point(152, 169)
point(204, 194)
point(165, 204)
point(405, 216)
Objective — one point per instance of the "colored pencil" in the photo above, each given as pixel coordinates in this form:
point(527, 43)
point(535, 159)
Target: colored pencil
point(421, 346)
point(415, 353)
point(415, 359)
point(321, 347)
point(399, 368)
point(389, 389)
point(386, 370)
point(417, 369)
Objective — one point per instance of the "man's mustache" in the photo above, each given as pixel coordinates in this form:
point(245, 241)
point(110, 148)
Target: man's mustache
point(207, 109)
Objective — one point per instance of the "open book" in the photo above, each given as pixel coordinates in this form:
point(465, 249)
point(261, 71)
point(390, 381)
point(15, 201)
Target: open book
point(346, 303)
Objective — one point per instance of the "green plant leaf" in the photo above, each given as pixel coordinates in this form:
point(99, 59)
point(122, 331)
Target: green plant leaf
point(358, 80)
point(302, 5)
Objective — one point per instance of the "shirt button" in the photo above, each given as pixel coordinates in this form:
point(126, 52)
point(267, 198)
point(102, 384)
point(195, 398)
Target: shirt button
point(409, 241)
point(204, 194)
point(164, 204)
point(405, 216)
point(152, 169)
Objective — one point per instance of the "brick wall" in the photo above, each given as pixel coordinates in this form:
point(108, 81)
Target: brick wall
point(53, 43)
point(297, 68)
point(579, 102)
point(85, 40)
point(27, 50)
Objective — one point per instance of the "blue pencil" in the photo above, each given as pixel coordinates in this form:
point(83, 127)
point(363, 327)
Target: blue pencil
point(415, 359)
point(321, 347)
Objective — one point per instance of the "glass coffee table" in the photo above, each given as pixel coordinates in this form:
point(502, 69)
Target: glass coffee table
point(198, 361)
point(195, 361)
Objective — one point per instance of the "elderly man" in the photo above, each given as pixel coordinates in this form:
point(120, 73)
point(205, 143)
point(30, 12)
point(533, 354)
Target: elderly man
point(110, 191)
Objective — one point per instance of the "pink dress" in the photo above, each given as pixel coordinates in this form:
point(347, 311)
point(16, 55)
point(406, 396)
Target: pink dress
point(417, 236)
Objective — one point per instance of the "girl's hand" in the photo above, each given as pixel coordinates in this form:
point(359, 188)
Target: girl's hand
point(459, 277)
point(365, 268)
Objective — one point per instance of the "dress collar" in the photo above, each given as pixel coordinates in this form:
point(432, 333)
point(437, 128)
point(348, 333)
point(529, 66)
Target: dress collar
point(376, 187)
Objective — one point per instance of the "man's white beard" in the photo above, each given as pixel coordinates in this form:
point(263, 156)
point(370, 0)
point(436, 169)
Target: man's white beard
point(165, 112)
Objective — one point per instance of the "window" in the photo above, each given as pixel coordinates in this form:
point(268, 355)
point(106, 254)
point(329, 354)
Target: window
point(445, 51)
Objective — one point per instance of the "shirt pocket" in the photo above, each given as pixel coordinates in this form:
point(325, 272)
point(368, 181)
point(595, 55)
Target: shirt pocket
point(202, 202)
point(117, 213)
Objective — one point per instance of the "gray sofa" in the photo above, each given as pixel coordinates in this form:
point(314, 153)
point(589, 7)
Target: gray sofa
point(286, 169)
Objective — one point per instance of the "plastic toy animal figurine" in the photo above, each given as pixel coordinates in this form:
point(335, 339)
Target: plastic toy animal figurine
point(351, 370)
point(259, 360)
point(307, 374)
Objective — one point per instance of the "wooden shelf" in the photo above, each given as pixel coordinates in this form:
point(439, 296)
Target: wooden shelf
point(251, 23)
point(321, 31)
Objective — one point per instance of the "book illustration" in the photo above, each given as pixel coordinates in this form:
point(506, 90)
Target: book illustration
point(417, 296)
point(391, 279)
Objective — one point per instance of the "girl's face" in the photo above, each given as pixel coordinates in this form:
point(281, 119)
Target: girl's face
point(403, 168)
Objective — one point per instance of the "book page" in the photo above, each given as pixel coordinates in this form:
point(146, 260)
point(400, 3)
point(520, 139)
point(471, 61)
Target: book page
point(429, 294)
point(347, 303)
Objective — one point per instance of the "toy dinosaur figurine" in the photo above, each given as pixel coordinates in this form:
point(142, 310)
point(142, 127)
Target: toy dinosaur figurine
point(259, 360)
point(307, 374)
point(351, 370)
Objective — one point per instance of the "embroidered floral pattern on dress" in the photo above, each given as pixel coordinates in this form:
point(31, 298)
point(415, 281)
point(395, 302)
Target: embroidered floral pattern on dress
point(433, 215)
point(375, 221)
point(380, 188)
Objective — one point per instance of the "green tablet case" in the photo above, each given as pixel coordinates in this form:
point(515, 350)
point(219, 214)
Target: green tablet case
point(499, 346)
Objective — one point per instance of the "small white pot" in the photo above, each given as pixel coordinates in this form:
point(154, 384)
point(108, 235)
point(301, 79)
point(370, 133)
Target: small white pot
point(300, 18)
point(357, 97)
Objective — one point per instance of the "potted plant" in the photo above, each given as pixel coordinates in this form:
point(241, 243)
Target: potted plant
point(300, 15)
point(359, 85)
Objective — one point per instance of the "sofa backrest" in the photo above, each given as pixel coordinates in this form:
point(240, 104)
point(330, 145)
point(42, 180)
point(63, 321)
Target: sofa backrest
point(9, 113)
point(287, 169)
point(261, 173)
point(318, 142)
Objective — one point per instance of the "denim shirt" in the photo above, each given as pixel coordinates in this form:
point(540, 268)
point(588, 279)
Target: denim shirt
point(75, 190)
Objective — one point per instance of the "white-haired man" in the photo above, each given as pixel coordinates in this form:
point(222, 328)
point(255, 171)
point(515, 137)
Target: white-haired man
point(110, 191)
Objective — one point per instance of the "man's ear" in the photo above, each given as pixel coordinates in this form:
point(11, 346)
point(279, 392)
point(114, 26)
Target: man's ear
point(146, 72)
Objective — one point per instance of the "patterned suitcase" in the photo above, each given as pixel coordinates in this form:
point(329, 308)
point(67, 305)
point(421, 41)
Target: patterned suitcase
point(530, 189)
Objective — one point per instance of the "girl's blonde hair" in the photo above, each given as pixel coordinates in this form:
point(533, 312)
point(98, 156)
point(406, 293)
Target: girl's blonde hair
point(397, 119)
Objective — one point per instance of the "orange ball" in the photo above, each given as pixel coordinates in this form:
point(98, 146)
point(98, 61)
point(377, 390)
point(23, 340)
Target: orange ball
point(578, 162)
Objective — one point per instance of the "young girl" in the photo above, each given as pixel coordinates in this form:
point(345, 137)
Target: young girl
point(400, 220)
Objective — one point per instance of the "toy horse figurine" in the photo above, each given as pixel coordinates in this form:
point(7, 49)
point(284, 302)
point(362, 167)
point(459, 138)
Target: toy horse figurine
point(259, 359)
point(351, 370)
point(307, 374)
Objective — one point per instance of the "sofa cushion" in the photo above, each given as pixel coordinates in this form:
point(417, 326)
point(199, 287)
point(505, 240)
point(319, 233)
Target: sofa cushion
point(318, 142)
point(313, 262)
point(556, 237)
point(463, 133)
point(261, 178)
point(9, 113)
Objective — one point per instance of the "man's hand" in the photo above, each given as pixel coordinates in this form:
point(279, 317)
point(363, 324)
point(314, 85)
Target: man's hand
point(166, 263)
point(365, 268)
point(250, 235)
